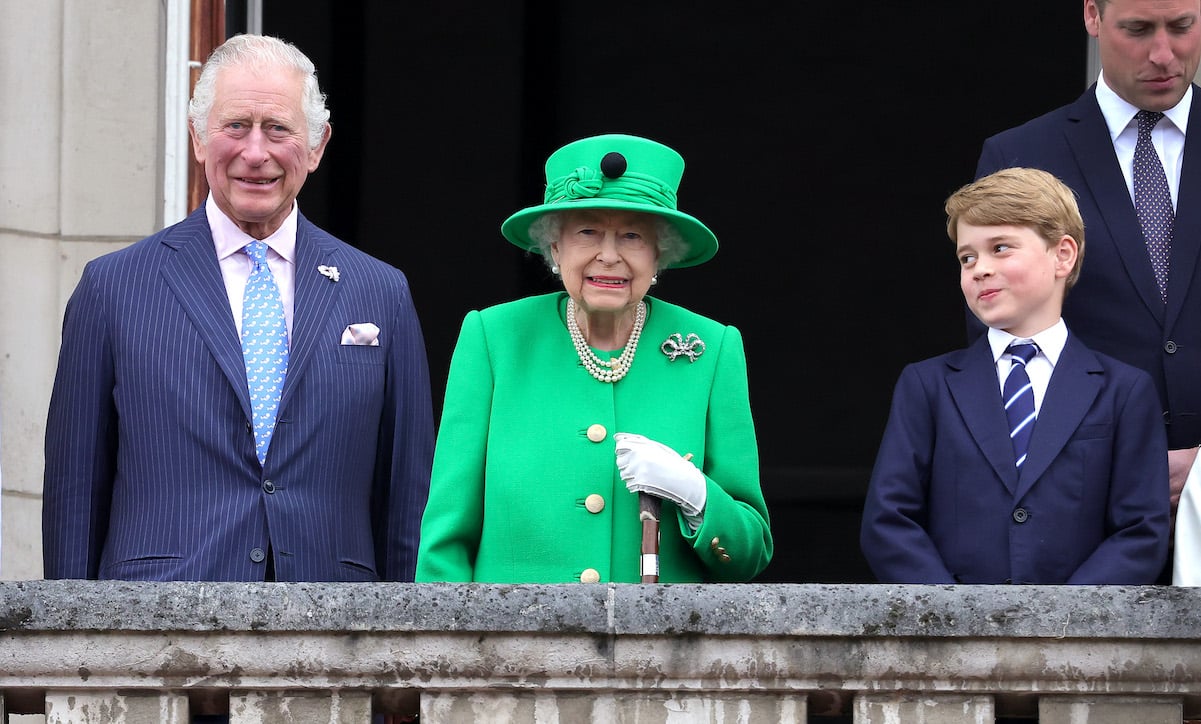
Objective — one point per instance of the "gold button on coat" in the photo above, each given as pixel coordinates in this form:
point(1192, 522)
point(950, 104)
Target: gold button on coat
point(597, 432)
point(713, 544)
point(590, 575)
point(594, 503)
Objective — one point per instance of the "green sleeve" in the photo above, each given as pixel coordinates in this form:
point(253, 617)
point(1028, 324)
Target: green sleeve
point(735, 512)
point(450, 528)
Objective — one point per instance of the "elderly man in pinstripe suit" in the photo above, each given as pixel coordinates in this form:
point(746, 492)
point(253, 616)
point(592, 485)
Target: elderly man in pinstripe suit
point(171, 452)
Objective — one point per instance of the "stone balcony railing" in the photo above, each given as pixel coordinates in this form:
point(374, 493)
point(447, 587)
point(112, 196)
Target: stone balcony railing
point(275, 652)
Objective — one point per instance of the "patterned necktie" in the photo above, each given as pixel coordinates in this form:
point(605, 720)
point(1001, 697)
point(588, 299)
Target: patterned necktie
point(1152, 200)
point(264, 346)
point(1019, 400)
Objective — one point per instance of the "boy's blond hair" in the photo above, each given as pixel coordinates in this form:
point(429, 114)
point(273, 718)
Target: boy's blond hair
point(1020, 197)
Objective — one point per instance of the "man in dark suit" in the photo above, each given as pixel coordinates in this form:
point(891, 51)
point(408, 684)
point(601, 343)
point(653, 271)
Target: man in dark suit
point(1138, 303)
point(241, 396)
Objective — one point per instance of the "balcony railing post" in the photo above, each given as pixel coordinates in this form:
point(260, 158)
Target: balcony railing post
point(1110, 709)
point(110, 706)
point(645, 706)
point(286, 707)
point(923, 709)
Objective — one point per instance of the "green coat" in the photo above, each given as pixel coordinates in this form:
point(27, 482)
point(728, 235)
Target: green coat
point(515, 466)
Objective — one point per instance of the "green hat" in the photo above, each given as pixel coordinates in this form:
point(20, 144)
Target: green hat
point(615, 172)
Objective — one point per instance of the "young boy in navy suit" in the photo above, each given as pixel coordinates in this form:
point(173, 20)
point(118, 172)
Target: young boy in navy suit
point(1067, 485)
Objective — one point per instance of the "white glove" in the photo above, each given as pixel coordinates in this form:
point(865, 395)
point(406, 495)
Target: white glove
point(652, 467)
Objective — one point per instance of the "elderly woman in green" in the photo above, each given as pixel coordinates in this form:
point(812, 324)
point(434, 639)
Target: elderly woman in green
point(560, 409)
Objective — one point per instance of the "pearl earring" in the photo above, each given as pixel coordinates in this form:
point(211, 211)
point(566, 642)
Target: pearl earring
point(554, 268)
point(654, 279)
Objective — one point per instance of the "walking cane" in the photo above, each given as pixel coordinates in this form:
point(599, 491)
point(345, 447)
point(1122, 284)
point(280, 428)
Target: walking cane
point(648, 513)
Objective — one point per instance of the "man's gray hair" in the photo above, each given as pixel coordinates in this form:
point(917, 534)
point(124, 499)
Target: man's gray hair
point(258, 52)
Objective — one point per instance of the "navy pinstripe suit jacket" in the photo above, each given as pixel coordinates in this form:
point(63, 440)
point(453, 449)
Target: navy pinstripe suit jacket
point(151, 472)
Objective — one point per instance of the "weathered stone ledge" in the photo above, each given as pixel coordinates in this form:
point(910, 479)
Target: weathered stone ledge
point(1147, 612)
point(773, 648)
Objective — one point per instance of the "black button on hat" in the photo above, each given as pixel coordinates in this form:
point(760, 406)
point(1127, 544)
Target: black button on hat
point(613, 165)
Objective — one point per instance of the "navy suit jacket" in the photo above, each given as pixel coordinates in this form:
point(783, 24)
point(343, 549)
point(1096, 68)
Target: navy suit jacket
point(1115, 308)
point(151, 472)
point(946, 503)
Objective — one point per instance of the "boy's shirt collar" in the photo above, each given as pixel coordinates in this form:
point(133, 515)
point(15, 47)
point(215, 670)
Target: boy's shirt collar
point(1050, 341)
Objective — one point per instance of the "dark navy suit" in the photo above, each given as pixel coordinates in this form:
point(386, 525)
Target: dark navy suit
point(946, 503)
point(151, 471)
point(1115, 308)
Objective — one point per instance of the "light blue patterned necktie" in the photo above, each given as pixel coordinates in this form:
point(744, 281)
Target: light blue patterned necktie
point(1018, 396)
point(264, 346)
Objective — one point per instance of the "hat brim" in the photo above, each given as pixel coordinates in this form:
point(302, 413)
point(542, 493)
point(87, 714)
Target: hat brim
point(701, 242)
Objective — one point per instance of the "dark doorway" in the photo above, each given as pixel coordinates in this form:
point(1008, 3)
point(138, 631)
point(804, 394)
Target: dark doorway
point(821, 141)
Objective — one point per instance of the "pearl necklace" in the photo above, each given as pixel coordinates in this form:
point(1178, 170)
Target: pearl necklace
point(605, 370)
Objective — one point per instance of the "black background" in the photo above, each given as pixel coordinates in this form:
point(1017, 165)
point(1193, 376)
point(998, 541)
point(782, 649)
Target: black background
point(821, 140)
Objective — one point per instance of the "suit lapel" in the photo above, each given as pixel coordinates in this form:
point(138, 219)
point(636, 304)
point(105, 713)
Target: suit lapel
point(1088, 136)
point(1074, 386)
point(976, 392)
point(315, 296)
point(1186, 234)
point(194, 275)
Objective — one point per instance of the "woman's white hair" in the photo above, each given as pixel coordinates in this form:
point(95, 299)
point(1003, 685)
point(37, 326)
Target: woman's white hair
point(258, 52)
point(546, 230)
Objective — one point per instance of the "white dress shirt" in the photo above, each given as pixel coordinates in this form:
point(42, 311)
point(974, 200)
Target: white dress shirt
point(1050, 343)
point(236, 265)
point(1167, 136)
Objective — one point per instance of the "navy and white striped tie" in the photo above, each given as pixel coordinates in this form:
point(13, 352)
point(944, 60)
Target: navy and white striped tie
point(1019, 399)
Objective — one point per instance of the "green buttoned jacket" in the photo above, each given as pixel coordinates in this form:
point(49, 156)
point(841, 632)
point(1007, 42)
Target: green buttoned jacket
point(525, 454)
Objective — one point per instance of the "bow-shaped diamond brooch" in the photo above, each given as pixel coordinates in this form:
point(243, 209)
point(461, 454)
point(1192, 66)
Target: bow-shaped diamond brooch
point(677, 345)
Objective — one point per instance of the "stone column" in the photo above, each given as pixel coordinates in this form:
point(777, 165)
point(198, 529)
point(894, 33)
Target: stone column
point(648, 706)
point(110, 707)
point(1110, 710)
point(923, 709)
point(286, 707)
point(79, 176)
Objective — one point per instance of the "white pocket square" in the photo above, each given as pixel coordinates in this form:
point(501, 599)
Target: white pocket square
point(363, 334)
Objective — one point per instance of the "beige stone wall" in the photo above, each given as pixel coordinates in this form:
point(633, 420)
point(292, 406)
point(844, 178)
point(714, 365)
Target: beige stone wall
point(80, 175)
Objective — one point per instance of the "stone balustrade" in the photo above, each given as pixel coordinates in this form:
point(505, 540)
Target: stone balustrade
point(98, 652)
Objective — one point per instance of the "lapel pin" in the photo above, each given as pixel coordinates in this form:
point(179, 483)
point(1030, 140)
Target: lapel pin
point(329, 271)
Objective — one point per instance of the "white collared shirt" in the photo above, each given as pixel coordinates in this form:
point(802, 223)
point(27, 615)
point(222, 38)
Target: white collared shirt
point(1050, 343)
point(1167, 136)
point(236, 266)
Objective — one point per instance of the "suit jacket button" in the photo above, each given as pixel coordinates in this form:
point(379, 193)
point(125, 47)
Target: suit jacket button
point(257, 555)
point(715, 544)
point(268, 486)
point(597, 432)
point(1169, 347)
point(1020, 515)
point(594, 503)
point(590, 575)
point(724, 557)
